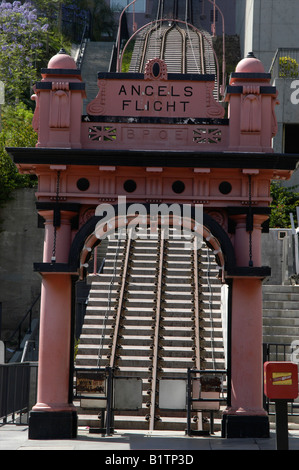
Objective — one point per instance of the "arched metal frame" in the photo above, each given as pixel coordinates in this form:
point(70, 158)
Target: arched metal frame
point(211, 232)
point(155, 22)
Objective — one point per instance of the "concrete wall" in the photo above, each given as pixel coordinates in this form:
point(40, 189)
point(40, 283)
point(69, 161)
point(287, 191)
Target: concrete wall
point(287, 112)
point(241, 22)
point(21, 244)
point(266, 25)
point(278, 253)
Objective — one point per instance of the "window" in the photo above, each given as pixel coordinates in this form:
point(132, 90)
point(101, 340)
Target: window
point(119, 5)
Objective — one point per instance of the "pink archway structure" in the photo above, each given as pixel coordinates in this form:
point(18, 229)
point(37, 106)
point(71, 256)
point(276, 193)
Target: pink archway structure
point(153, 138)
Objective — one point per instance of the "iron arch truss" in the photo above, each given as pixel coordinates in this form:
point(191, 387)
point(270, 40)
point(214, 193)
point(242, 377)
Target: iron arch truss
point(211, 232)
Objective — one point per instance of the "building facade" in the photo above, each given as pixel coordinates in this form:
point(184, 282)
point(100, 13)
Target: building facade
point(204, 13)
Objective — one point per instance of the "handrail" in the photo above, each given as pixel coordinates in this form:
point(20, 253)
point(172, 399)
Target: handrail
point(119, 35)
point(19, 327)
point(82, 47)
point(108, 309)
point(26, 348)
point(120, 302)
point(196, 301)
point(157, 331)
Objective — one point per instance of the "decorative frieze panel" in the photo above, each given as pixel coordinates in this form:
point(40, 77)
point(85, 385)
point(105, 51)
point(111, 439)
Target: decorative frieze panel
point(128, 135)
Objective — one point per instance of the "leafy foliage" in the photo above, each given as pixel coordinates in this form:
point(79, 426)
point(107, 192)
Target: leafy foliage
point(29, 36)
point(16, 131)
point(22, 38)
point(127, 57)
point(102, 18)
point(285, 200)
point(288, 67)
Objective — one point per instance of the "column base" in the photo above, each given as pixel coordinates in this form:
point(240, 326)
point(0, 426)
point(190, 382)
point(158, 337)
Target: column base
point(52, 425)
point(245, 426)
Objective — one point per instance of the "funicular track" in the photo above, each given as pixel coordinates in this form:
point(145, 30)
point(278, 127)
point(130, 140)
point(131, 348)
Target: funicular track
point(149, 316)
point(183, 48)
point(173, 39)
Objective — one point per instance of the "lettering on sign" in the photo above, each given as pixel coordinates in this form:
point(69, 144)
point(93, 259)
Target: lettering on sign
point(282, 378)
point(165, 98)
point(160, 96)
point(90, 382)
point(148, 134)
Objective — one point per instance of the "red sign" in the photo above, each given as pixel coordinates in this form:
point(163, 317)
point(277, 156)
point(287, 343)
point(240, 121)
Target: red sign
point(281, 380)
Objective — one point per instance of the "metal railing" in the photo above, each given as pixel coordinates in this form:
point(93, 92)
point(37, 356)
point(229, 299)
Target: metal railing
point(121, 38)
point(205, 393)
point(74, 22)
point(17, 391)
point(20, 328)
point(94, 388)
point(82, 47)
point(276, 352)
point(285, 64)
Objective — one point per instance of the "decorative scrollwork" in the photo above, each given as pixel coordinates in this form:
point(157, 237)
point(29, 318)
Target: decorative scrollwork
point(155, 69)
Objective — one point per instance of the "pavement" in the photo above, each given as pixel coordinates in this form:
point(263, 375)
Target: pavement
point(138, 447)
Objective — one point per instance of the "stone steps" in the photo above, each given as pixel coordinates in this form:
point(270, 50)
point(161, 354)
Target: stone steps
point(281, 327)
point(280, 314)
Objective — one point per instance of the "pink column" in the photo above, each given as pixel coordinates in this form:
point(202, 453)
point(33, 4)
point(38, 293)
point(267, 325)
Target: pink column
point(246, 347)
point(53, 416)
point(246, 416)
point(59, 239)
point(54, 343)
point(242, 240)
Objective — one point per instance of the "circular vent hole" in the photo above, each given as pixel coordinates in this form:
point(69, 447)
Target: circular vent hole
point(178, 187)
point(225, 187)
point(130, 186)
point(83, 184)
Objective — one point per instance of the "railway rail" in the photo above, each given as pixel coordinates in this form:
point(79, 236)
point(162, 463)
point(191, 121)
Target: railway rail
point(173, 38)
point(159, 325)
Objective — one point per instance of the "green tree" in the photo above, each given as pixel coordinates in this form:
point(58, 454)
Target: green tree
point(28, 39)
point(288, 67)
point(52, 11)
point(16, 131)
point(284, 201)
point(102, 18)
point(22, 37)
